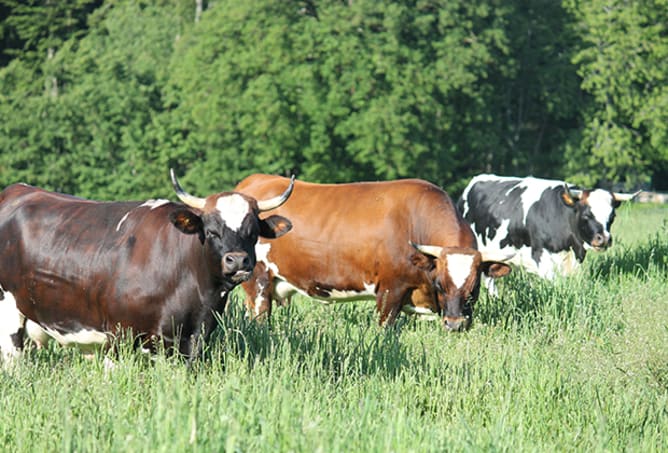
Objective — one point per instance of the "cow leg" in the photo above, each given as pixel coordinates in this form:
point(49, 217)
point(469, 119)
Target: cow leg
point(35, 333)
point(12, 328)
point(389, 303)
point(259, 293)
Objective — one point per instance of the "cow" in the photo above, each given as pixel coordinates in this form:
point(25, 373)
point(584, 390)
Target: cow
point(83, 271)
point(547, 223)
point(401, 242)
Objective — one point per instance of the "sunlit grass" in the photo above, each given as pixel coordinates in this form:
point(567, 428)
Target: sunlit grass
point(580, 364)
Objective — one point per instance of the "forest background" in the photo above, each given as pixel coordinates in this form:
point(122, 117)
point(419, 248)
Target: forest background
point(100, 98)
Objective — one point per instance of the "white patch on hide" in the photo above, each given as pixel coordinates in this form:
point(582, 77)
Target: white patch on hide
point(534, 189)
point(154, 203)
point(557, 264)
point(422, 312)
point(84, 339)
point(259, 299)
point(233, 209)
point(345, 295)
point(11, 320)
point(151, 204)
point(35, 332)
point(118, 227)
point(550, 264)
point(284, 289)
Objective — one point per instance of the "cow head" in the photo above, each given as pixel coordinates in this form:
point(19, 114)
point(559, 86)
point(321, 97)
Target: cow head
point(228, 225)
point(455, 276)
point(594, 214)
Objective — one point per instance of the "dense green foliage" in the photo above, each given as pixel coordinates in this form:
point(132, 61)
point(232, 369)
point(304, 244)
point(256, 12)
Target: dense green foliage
point(99, 98)
point(580, 364)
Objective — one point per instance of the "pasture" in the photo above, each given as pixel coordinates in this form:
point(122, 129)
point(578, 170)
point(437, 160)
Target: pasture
point(578, 364)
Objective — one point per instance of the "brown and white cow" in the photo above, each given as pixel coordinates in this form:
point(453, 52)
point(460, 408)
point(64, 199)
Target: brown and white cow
point(81, 270)
point(400, 242)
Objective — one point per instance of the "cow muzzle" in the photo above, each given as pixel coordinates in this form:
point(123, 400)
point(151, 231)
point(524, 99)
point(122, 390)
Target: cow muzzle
point(456, 323)
point(601, 242)
point(237, 266)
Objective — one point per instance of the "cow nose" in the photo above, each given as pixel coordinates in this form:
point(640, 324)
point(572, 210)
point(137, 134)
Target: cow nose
point(235, 261)
point(599, 241)
point(456, 323)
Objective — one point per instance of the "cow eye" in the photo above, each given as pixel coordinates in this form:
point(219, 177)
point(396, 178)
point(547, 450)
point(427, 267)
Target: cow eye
point(213, 234)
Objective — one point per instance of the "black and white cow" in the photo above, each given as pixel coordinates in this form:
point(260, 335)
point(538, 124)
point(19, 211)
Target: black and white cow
point(549, 224)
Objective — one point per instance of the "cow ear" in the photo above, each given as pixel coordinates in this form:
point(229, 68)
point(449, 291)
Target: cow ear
point(495, 269)
point(274, 226)
point(187, 221)
point(424, 262)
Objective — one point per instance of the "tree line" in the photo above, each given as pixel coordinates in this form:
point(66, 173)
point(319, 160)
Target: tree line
point(101, 98)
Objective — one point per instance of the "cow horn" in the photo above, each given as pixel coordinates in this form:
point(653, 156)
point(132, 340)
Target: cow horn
point(574, 193)
point(625, 196)
point(432, 250)
point(273, 203)
point(496, 256)
point(186, 198)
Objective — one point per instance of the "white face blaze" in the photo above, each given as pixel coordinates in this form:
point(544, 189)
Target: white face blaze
point(459, 268)
point(233, 209)
point(601, 205)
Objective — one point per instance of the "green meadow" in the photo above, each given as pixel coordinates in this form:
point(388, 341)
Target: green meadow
point(580, 364)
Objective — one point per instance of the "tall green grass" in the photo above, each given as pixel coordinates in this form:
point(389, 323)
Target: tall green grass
point(580, 364)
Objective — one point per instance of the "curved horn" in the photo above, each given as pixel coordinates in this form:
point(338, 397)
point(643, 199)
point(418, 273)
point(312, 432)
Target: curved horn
point(186, 198)
point(495, 255)
point(432, 250)
point(574, 193)
point(273, 203)
point(625, 196)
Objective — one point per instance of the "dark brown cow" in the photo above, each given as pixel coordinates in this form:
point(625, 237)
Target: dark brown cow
point(400, 242)
point(80, 270)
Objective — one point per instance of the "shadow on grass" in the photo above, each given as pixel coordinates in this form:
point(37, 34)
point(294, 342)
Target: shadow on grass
point(348, 346)
point(522, 297)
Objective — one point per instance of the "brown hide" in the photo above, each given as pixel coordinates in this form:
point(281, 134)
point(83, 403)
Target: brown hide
point(347, 235)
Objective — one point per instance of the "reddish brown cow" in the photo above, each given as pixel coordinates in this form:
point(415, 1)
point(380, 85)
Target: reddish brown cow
point(402, 242)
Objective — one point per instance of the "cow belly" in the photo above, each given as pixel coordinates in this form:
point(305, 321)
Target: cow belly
point(550, 264)
point(84, 339)
point(284, 289)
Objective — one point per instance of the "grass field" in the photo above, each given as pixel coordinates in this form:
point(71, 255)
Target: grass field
point(580, 364)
